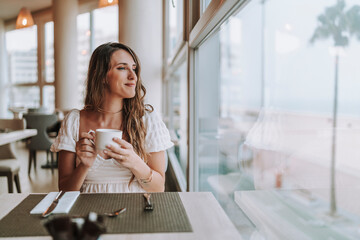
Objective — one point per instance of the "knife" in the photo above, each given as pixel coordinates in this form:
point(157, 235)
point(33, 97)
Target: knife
point(53, 204)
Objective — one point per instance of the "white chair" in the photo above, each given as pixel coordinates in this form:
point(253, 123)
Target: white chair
point(9, 165)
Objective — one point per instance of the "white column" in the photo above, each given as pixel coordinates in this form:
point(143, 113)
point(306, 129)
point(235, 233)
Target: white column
point(3, 72)
point(65, 53)
point(140, 27)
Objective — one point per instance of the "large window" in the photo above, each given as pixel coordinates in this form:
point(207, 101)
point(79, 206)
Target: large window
point(84, 51)
point(94, 28)
point(276, 96)
point(179, 114)
point(175, 27)
point(49, 52)
point(177, 120)
point(27, 97)
point(21, 46)
point(26, 88)
point(23, 88)
point(48, 91)
point(176, 90)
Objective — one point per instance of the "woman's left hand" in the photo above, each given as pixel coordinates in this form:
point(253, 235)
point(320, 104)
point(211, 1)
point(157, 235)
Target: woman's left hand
point(123, 152)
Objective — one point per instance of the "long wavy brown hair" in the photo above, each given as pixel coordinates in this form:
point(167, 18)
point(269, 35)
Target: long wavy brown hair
point(133, 108)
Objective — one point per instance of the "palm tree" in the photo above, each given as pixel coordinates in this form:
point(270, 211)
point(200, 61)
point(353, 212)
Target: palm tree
point(340, 25)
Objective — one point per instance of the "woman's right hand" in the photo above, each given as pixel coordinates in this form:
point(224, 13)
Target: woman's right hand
point(85, 149)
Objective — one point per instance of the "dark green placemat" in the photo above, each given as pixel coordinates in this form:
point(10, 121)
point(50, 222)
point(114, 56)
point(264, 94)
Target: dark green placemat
point(168, 215)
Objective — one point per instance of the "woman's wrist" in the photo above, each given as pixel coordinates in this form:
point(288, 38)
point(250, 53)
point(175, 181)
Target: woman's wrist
point(84, 166)
point(148, 179)
point(142, 172)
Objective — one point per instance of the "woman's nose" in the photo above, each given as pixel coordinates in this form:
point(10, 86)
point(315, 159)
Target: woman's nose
point(132, 74)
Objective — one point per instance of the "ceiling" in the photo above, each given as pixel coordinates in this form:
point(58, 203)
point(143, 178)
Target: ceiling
point(10, 8)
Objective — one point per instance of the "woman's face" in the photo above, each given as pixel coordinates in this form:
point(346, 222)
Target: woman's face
point(121, 78)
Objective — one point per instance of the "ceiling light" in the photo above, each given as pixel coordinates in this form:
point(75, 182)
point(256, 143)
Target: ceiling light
point(24, 19)
point(105, 3)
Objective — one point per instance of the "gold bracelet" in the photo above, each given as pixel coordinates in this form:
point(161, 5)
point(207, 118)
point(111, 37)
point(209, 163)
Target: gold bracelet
point(149, 179)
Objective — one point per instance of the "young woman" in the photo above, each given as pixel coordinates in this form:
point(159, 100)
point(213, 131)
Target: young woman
point(114, 100)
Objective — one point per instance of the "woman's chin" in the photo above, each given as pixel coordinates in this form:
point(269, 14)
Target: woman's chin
point(130, 95)
point(126, 95)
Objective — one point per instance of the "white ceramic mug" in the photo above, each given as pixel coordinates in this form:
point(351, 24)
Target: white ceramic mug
point(105, 137)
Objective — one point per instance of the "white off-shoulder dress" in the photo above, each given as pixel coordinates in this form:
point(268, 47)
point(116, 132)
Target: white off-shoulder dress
point(108, 175)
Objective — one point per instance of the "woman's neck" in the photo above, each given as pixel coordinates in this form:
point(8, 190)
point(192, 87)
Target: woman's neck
point(109, 120)
point(110, 115)
point(101, 110)
point(111, 105)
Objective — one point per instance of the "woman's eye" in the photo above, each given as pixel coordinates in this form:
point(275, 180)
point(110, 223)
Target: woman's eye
point(121, 68)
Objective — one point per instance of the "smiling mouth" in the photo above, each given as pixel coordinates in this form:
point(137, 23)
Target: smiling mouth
point(130, 84)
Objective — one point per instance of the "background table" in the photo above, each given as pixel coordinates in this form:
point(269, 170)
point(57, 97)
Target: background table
point(206, 216)
point(14, 136)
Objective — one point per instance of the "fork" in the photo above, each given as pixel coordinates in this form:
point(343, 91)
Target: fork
point(115, 213)
point(148, 206)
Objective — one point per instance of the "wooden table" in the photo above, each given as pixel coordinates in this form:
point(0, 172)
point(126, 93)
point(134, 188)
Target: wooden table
point(14, 136)
point(206, 216)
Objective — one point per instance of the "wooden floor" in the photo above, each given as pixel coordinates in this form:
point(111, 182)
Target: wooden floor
point(39, 180)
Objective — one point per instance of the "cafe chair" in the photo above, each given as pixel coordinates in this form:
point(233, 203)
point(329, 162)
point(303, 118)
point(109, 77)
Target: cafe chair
point(9, 165)
point(39, 110)
point(42, 141)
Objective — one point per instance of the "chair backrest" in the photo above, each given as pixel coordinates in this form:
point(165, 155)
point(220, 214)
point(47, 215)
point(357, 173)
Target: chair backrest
point(39, 110)
point(10, 125)
point(40, 122)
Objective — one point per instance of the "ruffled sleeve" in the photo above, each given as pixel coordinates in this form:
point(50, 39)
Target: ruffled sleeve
point(68, 133)
point(157, 137)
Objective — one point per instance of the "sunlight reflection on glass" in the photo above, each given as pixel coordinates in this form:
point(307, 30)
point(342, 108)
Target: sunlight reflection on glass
point(286, 42)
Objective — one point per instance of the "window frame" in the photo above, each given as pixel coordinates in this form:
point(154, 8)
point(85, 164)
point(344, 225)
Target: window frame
point(197, 26)
point(179, 59)
point(215, 14)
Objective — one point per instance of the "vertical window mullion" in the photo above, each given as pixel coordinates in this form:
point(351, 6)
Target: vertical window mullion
point(41, 59)
point(192, 174)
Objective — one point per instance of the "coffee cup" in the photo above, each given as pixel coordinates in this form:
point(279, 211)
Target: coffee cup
point(105, 137)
